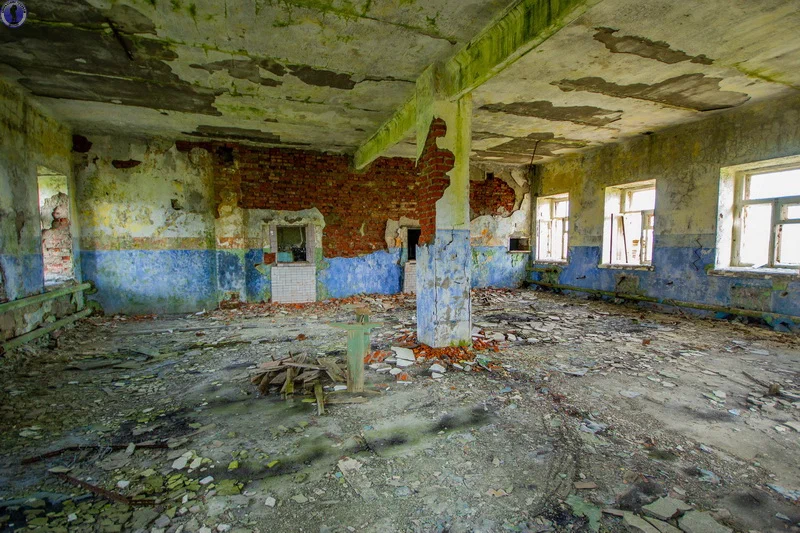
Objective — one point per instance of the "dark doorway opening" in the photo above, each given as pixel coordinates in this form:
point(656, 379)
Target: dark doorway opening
point(413, 240)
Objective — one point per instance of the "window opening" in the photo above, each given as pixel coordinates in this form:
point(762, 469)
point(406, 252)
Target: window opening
point(631, 224)
point(552, 221)
point(292, 246)
point(768, 220)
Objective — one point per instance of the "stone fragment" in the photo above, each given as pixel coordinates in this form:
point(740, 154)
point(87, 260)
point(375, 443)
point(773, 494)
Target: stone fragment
point(270, 502)
point(662, 527)
point(206, 480)
point(438, 369)
point(666, 508)
point(437, 375)
point(404, 354)
point(699, 522)
point(637, 524)
point(142, 518)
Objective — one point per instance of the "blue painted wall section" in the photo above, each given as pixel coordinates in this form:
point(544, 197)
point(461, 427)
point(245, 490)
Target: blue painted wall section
point(674, 276)
point(443, 289)
point(495, 266)
point(160, 281)
point(257, 277)
point(376, 273)
point(231, 273)
point(23, 274)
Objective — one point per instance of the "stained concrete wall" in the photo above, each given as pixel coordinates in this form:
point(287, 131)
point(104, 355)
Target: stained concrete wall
point(147, 226)
point(685, 161)
point(30, 137)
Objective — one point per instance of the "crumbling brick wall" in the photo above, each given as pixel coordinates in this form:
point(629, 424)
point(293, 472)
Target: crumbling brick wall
point(356, 205)
point(434, 164)
point(492, 196)
point(57, 239)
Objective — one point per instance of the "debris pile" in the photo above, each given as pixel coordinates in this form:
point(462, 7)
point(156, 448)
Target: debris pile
point(284, 374)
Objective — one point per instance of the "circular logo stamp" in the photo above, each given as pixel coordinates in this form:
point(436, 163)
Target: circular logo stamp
point(13, 13)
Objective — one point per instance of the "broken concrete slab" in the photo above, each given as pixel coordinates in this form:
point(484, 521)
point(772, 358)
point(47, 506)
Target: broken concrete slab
point(666, 508)
point(637, 524)
point(700, 522)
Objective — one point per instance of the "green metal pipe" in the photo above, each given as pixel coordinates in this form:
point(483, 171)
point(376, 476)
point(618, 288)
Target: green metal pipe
point(31, 300)
point(672, 303)
point(35, 334)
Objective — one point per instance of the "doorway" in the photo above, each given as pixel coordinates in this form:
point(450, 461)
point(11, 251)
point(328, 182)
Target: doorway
point(54, 212)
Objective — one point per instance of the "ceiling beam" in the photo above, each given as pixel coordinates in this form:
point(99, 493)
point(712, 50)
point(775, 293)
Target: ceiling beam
point(397, 128)
point(524, 27)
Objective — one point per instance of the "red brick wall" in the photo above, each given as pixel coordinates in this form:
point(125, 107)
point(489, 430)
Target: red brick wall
point(490, 197)
point(434, 164)
point(351, 201)
point(291, 180)
point(57, 240)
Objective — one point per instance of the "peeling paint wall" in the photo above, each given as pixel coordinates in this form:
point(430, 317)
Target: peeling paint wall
point(509, 211)
point(30, 137)
point(148, 234)
point(176, 227)
point(685, 161)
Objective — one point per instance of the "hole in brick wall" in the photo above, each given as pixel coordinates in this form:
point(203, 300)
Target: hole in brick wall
point(55, 223)
point(225, 155)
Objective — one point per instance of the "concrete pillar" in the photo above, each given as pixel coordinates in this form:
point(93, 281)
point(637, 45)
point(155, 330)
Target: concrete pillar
point(444, 256)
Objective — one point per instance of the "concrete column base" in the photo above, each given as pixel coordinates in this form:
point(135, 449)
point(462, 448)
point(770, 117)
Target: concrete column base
point(444, 309)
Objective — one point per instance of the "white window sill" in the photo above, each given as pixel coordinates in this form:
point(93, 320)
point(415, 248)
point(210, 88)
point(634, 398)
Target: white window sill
point(519, 251)
point(756, 273)
point(645, 268)
point(550, 262)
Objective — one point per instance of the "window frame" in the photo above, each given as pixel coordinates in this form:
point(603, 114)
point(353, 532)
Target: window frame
point(778, 218)
point(553, 199)
point(310, 240)
point(617, 200)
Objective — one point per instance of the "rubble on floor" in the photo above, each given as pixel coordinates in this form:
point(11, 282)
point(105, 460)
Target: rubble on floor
point(566, 415)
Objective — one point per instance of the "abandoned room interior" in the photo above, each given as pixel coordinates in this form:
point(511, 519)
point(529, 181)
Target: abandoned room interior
point(400, 266)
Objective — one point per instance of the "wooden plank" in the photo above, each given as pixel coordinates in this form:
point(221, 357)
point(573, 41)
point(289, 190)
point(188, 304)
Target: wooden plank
point(334, 371)
point(320, 398)
point(288, 385)
point(279, 379)
point(308, 375)
point(304, 366)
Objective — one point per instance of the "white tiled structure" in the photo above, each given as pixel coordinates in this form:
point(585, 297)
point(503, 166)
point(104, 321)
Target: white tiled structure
point(410, 278)
point(294, 284)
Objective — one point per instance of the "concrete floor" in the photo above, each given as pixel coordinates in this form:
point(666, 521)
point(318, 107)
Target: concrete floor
point(642, 404)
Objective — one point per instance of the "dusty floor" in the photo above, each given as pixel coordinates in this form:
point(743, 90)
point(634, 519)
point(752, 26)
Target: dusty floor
point(628, 404)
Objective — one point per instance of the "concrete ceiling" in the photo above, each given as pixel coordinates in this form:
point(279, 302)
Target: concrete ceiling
point(318, 74)
point(628, 67)
point(325, 74)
